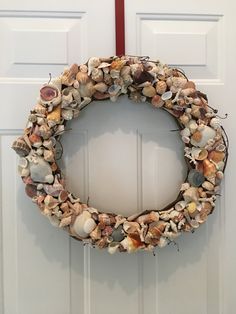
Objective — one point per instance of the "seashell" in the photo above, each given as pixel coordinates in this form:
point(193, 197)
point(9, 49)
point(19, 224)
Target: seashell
point(82, 77)
point(35, 140)
point(149, 91)
point(78, 225)
point(23, 172)
point(83, 68)
point(113, 247)
point(162, 242)
point(118, 234)
point(195, 178)
point(40, 171)
point(155, 232)
point(166, 96)
point(48, 144)
point(23, 162)
point(198, 112)
point(190, 84)
point(194, 224)
point(55, 115)
point(104, 65)
point(161, 87)
point(192, 125)
point(216, 156)
point(106, 219)
point(68, 77)
point(87, 90)
point(40, 109)
point(185, 132)
point(215, 123)
point(67, 114)
point(131, 227)
point(89, 225)
point(31, 190)
point(54, 220)
point(113, 90)
point(191, 208)
point(208, 186)
point(20, 147)
point(48, 155)
point(44, 131)
point(179, 206)
point(132, 243)
point(148, 218)
point(107, 231)
point(191, 194)
point(65, 222)
point(50, 94)
point(93, 63)
point(209, 169)
point(157, 101)
point(184, 119)
point(101, 87)
point(118, 64)
point(67, 97)
point(199, 153)
point(219, 175)
point(96, 233)
point(173, 226)
point(125, 71)
point(207, 134)
point(100, 96)
point(97, 75)
point(176, 216)
point(178, 82)
point(187, 91)
point(185, 139)
point(50, 202)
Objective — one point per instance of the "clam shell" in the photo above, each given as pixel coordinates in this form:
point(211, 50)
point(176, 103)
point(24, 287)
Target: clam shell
point(191, 194)
point(149, 91)
point(89, 225)
point(82, 77)
point(97, 75)
point(195, 178)
point(208, 186)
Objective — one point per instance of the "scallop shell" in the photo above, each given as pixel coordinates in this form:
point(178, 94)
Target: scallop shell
point(89, 225)
point(161, 87)
point(20, 147)
point(149, 91)
point(68, 77)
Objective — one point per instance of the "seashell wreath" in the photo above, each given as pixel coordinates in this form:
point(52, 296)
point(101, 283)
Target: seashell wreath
point(62, 99)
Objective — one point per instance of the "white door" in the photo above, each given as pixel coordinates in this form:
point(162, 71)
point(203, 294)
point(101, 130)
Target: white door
point(121, 155)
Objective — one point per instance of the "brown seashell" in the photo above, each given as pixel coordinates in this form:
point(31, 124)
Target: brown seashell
point(69, 76)
point(82, 77)
point(131, 227)
point(34, 139)
point(106, 219)
point(184, 119)
point(101, 87)
point(100, 96)
point(190, 84)
point(148, 218)
point(54, 166)
point(55, 115)
point(20, 147)
point(154, 232)
point(118, 64)
point(209, 169)
point(63, 196)
point(96, 234)
point(31, 190)
point(198, 112)
point(149, 91)
point(134, 242)
point(197, 136)
point(216, 156)
point(161, 87)
point(157, 101)
point(87, 90)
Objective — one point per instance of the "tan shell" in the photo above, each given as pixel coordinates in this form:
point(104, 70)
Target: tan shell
point(55, 115)
point(216, 156)
point(101, 87)
point(209, 169)
point(20, 147)
point(69, 76)
point(157, 101)
point(82, 77)
point(161, 87)
point(149, 91)
point(97, 75)
point(148, 218)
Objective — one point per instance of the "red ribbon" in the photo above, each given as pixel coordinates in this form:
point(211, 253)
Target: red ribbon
point(120, 27)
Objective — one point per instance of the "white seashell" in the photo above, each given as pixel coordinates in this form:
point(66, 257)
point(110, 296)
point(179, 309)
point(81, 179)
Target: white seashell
point(185, 186)
point(191, 194)
point(185, 139)
point(40, 171)
point(185, 132)
point(215, 123)
point(23, 172)
point(78, 226)
point(162, 242)
point(89, 225)
point(180, 205)
point(173, 226)
point(93, 63)
point(113, 248)
point(207, 134)
point(54, 221)
point(23, 162)
point(208, 186)
point(166, 96)
point(192, 125)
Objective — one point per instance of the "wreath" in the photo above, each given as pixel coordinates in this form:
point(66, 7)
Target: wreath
point(143, 80)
